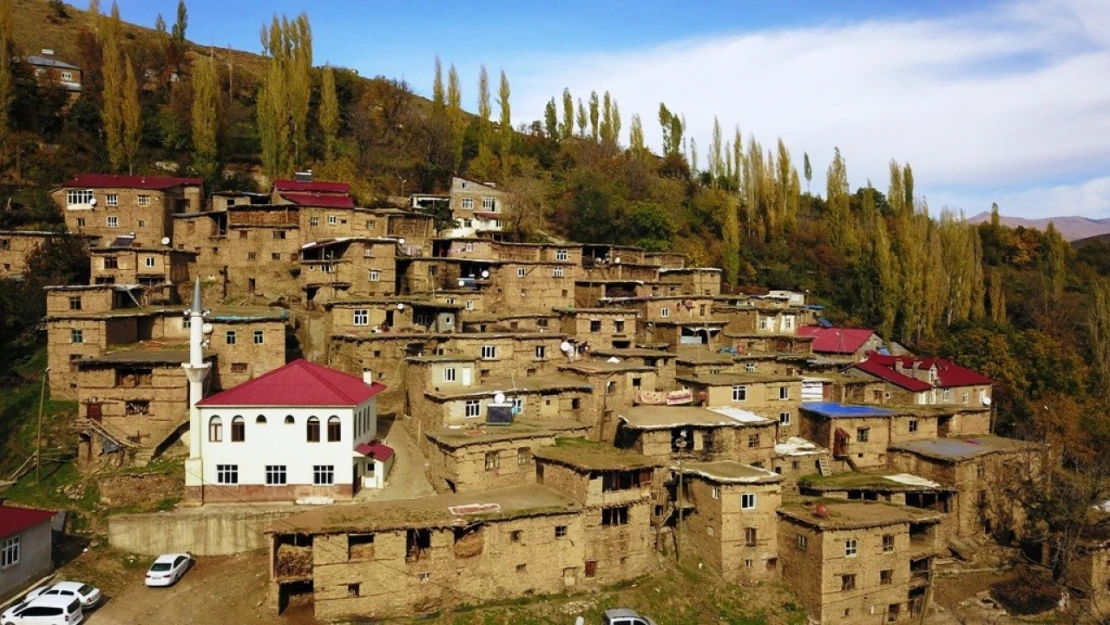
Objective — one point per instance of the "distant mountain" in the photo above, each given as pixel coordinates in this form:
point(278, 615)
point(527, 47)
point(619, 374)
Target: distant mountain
point(1071, 228)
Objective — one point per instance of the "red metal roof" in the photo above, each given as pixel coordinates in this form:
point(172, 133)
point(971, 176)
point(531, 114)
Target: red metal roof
point(311, 187)
point(326, 200)
point(949, 374)
point(15, 520)
point(101, 181)
point(376, 450)
point(892, 376)
point(836, 340)
point(299, 383)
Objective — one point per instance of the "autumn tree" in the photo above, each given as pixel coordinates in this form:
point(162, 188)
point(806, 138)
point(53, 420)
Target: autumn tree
point(283, 98)
point(329, 109)
point(206, 118)
point(1098, 331)
point(581, 119)
point(841, 228)
point(181, 24)
point(566, 127)
point(636, 138)
point(595, 129)
point(439, 101)
point(456, 118)
point(673, 127)
point(551, 119)
point(506, 125)
point(808, 169)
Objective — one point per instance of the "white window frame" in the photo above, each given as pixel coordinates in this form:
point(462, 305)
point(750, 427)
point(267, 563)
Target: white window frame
point(520, 272)
point(472, 408)
point(313, 222)
point(148, 262)
point(468, 247)
point(112, 221)
point(360, 317)
point(763, 323)
point(10, 549)
point(489, 204)
point(664, 312)
point(489, 352)
point(449, 374)
point(231, 337)
point(557, 272)
point(748, 501)
point(259, 337)
point(541, 352)
point(67, 76)
point(111, 199)
point(277, 475)
point(749, 367)
point(785, 418)
point(227, 474)
point(851, 547)
point(467, 203)
point(740, 393)
point(784, 393)
point(375, 275)
point(562, 255)
point(323, 474)
point(333, 220)
point(79, 197)
point(470, 304)
point(716, 492)
point(143, 200)
point(788, 322)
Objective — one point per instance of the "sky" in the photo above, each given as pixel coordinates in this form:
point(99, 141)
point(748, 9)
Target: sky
point(1005, 102)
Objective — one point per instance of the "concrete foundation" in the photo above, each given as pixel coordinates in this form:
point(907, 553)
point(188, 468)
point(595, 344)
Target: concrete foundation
point(204, 532)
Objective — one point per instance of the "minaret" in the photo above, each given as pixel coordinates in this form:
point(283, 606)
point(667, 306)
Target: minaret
point(196, 370)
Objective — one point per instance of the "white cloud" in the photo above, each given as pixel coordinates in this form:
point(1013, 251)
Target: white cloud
point(1013, 97)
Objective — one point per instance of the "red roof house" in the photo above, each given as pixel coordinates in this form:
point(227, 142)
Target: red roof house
point(26, 536)
point(375, 449)
point(299, 383)
point(324, 200)
point(913, 373)
point(15, 520)
point(294, 186)
point(110, 181)
point(841, 341)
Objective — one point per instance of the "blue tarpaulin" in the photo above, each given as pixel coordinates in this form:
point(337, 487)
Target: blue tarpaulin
point(833, 410)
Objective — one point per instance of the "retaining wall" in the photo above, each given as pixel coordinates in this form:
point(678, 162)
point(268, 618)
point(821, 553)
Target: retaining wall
point(207, 533)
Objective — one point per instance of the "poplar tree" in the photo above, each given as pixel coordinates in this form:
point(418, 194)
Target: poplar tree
point(506, 129)
point(206, 118)
point(160, 25)
point(692, 157)
point(6, 79)
point(456, 119)
point(786, 186)
point(672, 126)
point(329, 109)
point(731, 239)
point(715, 147)
point(728, 173)
point(112, 109)
point(808, 170)
point(737, 157)
point(1053, 265)
point(581, 119)
point(566, 128)
point(594, 128)
point(299, 84)
point(1098, 327)
point(283, 100)
point(636, 137)
point(181, 24)
point(998, 300)
point(439, 102)
point(615, 123)
point(839, 205)
point(484, 109)
point(551, 120)
point(132, 114)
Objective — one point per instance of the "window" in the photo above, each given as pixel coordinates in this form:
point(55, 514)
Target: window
point(112, 199)
point(784, 418)
point(142, 223)
point(557, 272)
point(964, 398)
point(470, 304)
point(260, 420)
point(229, 337)
point(313, 221)
point(541, 352)
point(888, 543)
point(863, 435)
point(312, 432)
point(802, 543)
point(595, 325)
point(335, 429)
point(468, 203)
point(215, 430)
point(716, 492)
point(750, 536)
point(664, 312)
point(747, 501)
point(520, 272)
point(113, 221)
point(148, 261)
point(913, 425)
point(788, 322)
point(561, 255)
point(516, 536)
point(371, 224)
point(753, 441)
point(468, 223)
point(227, 474)
point(111, 262)
point(473, 408)
point(614, 516)
point(76, 336)
point(252, 255)
point(493, 461)
point(278, 234)
point(489, 352)
point(784, 392)
point(333, 220)
point(886, 577)
point(361, 317)
point(450, 301)
point(144, 200)
point(276, 475)
point(323, 474)
point(488, 203)
point(9, 552)
point(275, 255)
point(524, 455)
point(136, 407)
point(238, 430)
point(449, 374)
point(847, 582)
point(79, 197)
point(375, 275)
point(80, 222)
point(851, 547)
point(981, 471)
point(239, 367)
point(259, 337)
point(560, 531)
point(424, 577)
point(749, 367)
point(739, 393)
point(75, 302)
point(618, 327)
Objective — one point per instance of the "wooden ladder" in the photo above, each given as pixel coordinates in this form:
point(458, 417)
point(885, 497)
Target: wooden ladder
point(823, 466)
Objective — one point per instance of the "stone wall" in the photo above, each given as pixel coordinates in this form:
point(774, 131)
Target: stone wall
point(207, 532)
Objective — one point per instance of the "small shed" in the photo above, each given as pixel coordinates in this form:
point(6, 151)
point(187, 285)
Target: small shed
point(377, 460)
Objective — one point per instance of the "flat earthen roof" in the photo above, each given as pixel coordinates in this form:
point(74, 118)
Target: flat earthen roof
point(632, 352)
point(510, 386)
point(882, 481)
point(590, 456)
point(958, 449)
point(853, 514)
point(547, 428)
point(139, 356)
point(730, 472)
point(666, 417)
point(735, 379)
point(604, 366)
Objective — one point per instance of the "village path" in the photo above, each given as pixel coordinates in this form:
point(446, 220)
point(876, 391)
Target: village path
point(408, 479)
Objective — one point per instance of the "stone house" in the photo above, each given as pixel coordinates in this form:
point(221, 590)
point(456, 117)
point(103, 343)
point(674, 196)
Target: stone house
point(662, 361)
point(890, 487)
point(911, 380)
point(509, 321)
point(492, 456)
point(670, 432)
point(702, 362)
point(599, 328)
point(796, 458)
point(729, 518)
point(1088, 575)
point(778, 398)
point(51, 72)
point(15, 245)
point(665, 260)
point(400, 558)
point(614, 489)
point(615, 386)
point(981, 468)
point(849, 562)
point(353, 266)
point(305, 191)
point(160, 269)
point(219, 201)
point(860, 436)
point(665, 308)
point(844, 344)
point(26, 547)
point(384, 314)
point(691, 281)
point(110, 205)
point(476, 207)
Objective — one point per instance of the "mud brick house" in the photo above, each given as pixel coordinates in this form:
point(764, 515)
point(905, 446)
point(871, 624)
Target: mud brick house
point(220, 201)
point(302, 430)
point(161, 269)
point(842, 344)
point(383, 314)
point(1088, 575)
point(476, 207)
point(860, 436)
point(729, 518)
point(796, 457)
point(26, 547)
point(911, 380)
point(615, 386)
point(890, 487)
point(702, 362)
point(600, 328)
point(399, 558)
point(109, 205)
point(662, 361)
point(355, 266)
point(484, 457)
point(777, 398)
point(614, 489)
point(690, 281)
point(853, 562)
point(981, 468)
point(132, 402)
point(666, 432)
point(303, 191)
point(15, 245)
point(510, 321)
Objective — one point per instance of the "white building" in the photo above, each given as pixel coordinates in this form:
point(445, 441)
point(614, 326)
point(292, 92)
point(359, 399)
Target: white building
point(476, 206)
point(299, 431)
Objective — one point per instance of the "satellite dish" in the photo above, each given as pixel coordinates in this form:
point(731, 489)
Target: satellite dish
point(499, 398)
point(565, 347)
point(92, 202)
point(617, 260)
point(485, 273)
point(400, 306)
point(165, 240)
point(462, 283)
point(206, 328)
point(986, 400)
point(401, 241)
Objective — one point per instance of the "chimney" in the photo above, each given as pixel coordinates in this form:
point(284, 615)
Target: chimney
point(367, 377)
point(303, 176)
point(47, 52)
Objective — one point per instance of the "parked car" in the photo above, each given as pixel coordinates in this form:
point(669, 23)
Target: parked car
point(88, 595)
point(45, 610)
point(168, 568)
point(624, 616)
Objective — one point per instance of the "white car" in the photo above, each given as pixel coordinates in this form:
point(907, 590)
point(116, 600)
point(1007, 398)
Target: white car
point(88, 595)
point(624, 616)
point(168, 568)
point(48, 610)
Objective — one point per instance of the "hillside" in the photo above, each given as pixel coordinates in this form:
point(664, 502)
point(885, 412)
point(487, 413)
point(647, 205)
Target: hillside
point(1070, 228)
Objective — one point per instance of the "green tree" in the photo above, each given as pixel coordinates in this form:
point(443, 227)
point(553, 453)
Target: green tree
point(456, 118)
point(506, 126)
point(329, 109)
point(839, 206)
point(160, 25)
point(206, 118)
point(484, 108)
point(181, 24)
point(636, 138)
point(808, 169)
point(551, 120)
point(566, 128)
point(283, 100)
point(113, 72)
point(615, 125)
point(132, 114)
point(595, 129)
point(439, 101)
point(581, 119)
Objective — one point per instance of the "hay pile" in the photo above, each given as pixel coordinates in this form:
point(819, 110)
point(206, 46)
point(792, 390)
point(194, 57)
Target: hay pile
point(293, 561)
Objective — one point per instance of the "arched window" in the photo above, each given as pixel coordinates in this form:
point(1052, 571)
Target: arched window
point(288, 419)
point(215, 430)
point(261, 420)
point(238, 429)
point(334, 429)
point(313, 430)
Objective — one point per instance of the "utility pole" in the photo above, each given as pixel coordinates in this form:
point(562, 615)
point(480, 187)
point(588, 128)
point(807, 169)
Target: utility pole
point(38, 433)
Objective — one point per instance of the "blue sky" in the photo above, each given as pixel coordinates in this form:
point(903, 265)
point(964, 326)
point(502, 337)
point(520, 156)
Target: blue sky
point(989, 101)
